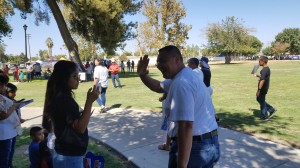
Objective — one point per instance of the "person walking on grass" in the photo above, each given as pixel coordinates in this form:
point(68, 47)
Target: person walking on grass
point(132, 66)
point(128, 66)
point(114, 69)
point(101, 81)
point(122, 67)
point(262, 90)
point(189, 106)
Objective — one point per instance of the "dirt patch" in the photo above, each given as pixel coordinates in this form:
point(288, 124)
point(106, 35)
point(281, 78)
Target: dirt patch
point(21, 150)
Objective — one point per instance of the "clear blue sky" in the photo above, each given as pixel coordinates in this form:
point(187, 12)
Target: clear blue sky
point(267, 17)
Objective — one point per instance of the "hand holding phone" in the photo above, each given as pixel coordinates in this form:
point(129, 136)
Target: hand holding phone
point(18, 101)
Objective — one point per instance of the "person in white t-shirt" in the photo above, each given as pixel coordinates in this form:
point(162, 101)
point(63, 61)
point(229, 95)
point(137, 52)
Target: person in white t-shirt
point(193, 63)
point(189, 106)
point(101, 81)
point(9, 121)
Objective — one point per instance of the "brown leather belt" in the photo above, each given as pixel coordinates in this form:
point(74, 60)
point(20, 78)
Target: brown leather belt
point(201, 137)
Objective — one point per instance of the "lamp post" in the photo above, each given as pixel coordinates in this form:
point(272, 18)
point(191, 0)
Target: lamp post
point(25, 27)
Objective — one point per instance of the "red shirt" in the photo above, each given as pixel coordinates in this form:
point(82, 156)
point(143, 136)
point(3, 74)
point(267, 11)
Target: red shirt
point(114, 68)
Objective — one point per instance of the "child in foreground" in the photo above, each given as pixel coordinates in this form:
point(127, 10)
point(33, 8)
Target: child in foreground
point(37, 136)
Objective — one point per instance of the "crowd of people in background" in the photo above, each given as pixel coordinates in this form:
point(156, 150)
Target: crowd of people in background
point(31, 71)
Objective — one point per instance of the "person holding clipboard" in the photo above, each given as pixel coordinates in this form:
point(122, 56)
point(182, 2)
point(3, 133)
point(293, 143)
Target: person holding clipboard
point(262, 90)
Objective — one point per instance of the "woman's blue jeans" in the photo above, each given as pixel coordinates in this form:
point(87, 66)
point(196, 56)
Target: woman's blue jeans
point(102, 101)
point(61, 161)
point(204, 153)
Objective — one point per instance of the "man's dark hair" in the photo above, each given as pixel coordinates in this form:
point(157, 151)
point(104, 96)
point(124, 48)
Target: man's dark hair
point(34, 130)
point(195, 61)
point(3, 78)
point(171, 51)
point(11, 87)
point(264, 59)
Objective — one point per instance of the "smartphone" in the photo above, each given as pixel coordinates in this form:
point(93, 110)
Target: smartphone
point(26, 102)
point(18, 101)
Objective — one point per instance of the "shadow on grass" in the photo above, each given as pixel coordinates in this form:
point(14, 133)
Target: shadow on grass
point(240, 122)
point(251, 124)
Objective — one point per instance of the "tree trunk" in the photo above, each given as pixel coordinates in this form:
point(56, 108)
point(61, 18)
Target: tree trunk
point(62, 26)
point(227, 59)
point(140, 48)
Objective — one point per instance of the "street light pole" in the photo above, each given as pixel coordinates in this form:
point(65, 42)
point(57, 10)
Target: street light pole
point(28, 37)
point(25, 28)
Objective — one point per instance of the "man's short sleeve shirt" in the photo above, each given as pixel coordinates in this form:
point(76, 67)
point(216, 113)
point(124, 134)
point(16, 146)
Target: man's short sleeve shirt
point(189, 100)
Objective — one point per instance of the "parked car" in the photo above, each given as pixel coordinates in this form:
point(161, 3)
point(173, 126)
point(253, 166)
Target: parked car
point(295, 57)
point(11, 66)
point(22, 66)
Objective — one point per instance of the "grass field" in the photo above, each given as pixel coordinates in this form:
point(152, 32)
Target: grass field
point(234, 98)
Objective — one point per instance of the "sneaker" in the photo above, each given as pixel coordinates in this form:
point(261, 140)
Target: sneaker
point(102, 109)
point(264, 118)
point(272, 113)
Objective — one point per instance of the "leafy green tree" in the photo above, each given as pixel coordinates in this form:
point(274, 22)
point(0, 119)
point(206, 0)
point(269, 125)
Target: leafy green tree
point(227, 37)
point(6, 10)
point(208, 52)
point(193, 50)
point(163, 25)
point(127, 53)
point(3, 57)
point(100, 21)
point(17, 59)
point(49, 44)
point(292, 37)
point(43, 54)
point(268, 51)
point(252, 46)
point(123, 58)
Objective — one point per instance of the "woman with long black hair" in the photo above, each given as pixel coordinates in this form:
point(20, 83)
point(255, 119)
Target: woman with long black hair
point(64, 117)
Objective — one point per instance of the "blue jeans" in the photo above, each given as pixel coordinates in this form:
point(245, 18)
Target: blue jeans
point(5, 150)
point(102, 101)
point(28, 76)
point(264, 106)
point(61, 161)
point(204, 153)
point(116, 77)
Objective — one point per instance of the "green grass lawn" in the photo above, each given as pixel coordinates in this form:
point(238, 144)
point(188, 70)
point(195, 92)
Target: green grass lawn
point(234, 98)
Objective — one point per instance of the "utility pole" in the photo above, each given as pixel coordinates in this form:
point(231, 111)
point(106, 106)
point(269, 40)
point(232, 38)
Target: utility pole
point(25, 28)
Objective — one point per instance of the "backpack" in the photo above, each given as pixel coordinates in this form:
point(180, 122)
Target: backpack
point(93, 161)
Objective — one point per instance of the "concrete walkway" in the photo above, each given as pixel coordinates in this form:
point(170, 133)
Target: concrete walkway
point(136, 135)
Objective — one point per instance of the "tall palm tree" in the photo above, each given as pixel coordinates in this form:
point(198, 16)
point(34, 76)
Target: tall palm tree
point(49, 44)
